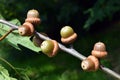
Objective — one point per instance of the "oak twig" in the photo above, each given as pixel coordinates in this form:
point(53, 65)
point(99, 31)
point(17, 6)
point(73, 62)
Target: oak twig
point(12, 29)
point(69, 50)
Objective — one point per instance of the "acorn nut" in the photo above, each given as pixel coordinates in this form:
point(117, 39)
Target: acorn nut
point(99, 50)
point(68, 35)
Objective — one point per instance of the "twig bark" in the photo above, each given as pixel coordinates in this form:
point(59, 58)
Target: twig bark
point(12, 29)
point(70, 51)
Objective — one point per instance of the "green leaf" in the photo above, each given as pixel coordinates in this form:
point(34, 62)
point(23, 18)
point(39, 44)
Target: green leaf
point(1, 17)
point(15, 39)
point(4, 75)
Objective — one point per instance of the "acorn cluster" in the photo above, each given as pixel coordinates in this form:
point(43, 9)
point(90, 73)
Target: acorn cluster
point(51, 47)
point(48, 47)
point(27, 29)
point(91, 63)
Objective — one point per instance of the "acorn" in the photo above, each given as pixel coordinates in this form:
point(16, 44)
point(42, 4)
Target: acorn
point(68, 35)
point(33, 17)
point(27, 29)
point(91, 63)
point(99, 50)
point(37, 41)
point(50, 47)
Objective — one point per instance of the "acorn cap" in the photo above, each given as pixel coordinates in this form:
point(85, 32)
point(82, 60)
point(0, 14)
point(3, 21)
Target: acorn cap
point(99, 54)
point(55, 49)
point(69, 39)
point(34, 21)
point(96, 62)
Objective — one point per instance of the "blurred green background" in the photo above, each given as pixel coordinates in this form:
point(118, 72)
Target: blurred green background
point(92, 20)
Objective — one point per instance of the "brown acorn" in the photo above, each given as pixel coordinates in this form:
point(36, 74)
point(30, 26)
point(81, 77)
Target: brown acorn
point(37, 41)
point(99, 50)
point(27, 29)
point(33, 17)
point(68, 35)
point(50, 47)
point(91, 63)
